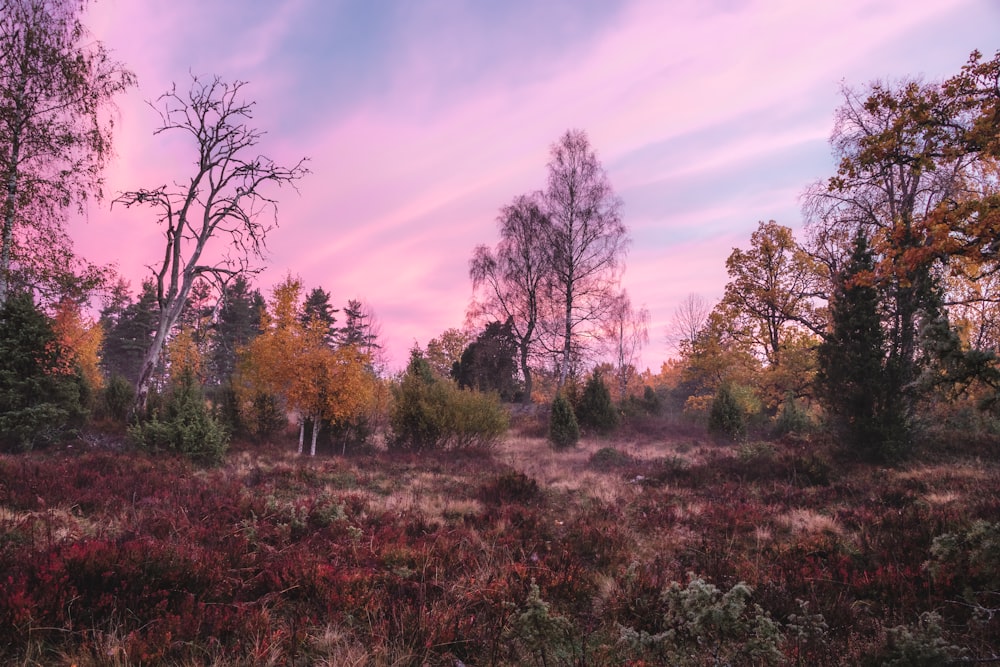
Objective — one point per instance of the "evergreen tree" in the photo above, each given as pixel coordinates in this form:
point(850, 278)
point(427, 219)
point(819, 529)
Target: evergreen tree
point(595, 409)
point(490, 362)
point(857, 380)
point(359, 328)
point(237, 323)
point(317, 307)
point(129, 326)
point(725, 417)
point(564, 431)
point(41, 393)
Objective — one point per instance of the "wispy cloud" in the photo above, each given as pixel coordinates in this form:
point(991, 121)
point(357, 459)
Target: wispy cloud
point(423, 119)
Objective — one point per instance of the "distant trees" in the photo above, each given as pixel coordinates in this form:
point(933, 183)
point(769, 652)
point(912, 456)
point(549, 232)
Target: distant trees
point(488, 363)
point(215, 223)
point(56, 84)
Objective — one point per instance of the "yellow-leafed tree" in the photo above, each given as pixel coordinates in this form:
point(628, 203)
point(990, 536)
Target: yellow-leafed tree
point(80, 339)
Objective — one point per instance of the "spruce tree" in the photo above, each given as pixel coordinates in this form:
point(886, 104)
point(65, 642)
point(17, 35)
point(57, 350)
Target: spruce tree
point(41, 392)
point(856, 381)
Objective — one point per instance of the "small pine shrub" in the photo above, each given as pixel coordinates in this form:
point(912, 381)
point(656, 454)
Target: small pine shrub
point(187, 426)
point(563, 428)
point(920, 645)
point(510, 487)
point(595, 409)
point(542, 637)
point(725, 418)
point(117, 398)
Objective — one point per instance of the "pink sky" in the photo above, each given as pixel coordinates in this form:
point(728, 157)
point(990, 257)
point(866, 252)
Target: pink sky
point(422, 119)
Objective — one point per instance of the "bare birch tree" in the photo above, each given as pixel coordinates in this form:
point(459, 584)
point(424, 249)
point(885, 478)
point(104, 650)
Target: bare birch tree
point(216, 223)
point(512, 278)
point(587, 241)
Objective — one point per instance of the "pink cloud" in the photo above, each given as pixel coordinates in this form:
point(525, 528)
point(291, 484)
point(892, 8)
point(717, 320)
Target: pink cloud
point(409, 172)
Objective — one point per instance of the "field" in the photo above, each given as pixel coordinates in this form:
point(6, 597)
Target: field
point(629, 550)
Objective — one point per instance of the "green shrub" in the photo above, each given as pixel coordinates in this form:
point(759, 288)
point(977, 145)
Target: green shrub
point(920, 645)
point(701, 620)
point(792, 418)
point(595, 409)
point(429, 413)
point(542, 637)
point(187, 427)
point(117, 398)
point(726, 416)
point(563, 429)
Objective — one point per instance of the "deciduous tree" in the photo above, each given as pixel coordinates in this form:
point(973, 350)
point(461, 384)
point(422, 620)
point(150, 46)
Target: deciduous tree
point(513, 279)
point(587, 242)
point(56, 85)
point(217, 222)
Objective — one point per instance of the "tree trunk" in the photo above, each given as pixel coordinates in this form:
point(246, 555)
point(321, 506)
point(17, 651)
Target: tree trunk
point(302, 434)
point(316, 426)
point(7, 236)
point(526, 372)
point(568, 340)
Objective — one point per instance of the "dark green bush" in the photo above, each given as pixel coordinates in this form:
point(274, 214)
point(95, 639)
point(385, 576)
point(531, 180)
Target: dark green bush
point(792, 418)
point(563, 429)
point(117, 398)
point(726, 417)
point(186, 426)
point(595, 409)
point(429, 413)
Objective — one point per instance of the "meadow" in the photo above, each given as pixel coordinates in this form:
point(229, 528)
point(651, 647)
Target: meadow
point(658, 545)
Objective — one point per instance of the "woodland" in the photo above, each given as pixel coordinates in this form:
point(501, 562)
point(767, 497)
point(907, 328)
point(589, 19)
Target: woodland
point(205, 470)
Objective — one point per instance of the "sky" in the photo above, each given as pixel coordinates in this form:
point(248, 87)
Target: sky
point(422, 118)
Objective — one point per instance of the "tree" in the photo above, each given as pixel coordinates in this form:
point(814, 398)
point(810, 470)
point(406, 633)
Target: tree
point(215, 223)
point(687, 321)
point(237, 323)
point(82, 339)
point(587, 242)
point(771, 289)
point(513, 278)
point(626, 331)
point(487, 364)
point(41, 391)
point(564, 431)
point(855, 370)
point(318, 307)
point(56, 84)
point(595, 409)
point(129, 328)
point(444, 351)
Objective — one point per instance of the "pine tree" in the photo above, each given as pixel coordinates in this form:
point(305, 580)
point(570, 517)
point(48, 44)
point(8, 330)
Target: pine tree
point(596, 409)
point(489, 363)
point(857, 382)
point(128, 325)
point(41, 392)
point(318, 307)
point(238, 323)
point(564, 431)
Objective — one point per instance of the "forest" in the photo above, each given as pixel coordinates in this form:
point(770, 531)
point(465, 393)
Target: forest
point(205, 470)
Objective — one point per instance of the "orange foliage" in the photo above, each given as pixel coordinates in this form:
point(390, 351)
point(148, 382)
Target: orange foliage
point(80, 339)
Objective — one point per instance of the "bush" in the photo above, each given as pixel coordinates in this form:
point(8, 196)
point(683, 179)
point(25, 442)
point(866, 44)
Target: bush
point(117, 398)
point(186, 428)
point(563, 429)
point(429, 413)
point(701, 620)
point(792, 418)
point(595, 409)
point(726, 416)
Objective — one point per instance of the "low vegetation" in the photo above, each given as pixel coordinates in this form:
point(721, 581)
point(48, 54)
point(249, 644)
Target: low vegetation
point(653, 548)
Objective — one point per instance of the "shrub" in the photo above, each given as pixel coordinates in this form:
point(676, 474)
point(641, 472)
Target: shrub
point(186, 428)
point(510, 487)
point(117, 398)
point(922, 645)
point(792, 418)
point(701, 620)
point(429, 413)
point(595, 409)
point(563, 429)
point(726, 417)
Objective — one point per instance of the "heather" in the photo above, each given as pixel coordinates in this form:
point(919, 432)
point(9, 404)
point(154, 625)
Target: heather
point(655, 547)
